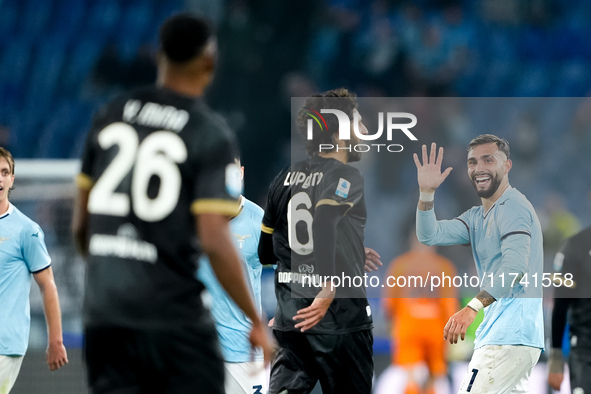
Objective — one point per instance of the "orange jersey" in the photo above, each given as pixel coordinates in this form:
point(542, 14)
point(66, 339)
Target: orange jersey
point(418, 314)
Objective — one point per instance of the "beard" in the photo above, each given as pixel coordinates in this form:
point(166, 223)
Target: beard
point(353, 156)
point(495, 182)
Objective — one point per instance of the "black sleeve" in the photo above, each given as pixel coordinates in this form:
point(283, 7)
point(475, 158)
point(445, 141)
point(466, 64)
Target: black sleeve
point(324, 230)
point(266, 252)
point(559, 320)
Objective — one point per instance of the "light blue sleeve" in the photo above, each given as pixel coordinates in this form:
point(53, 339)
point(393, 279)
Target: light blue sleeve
point(34, 249)
point(431, 231)
point(515, 228)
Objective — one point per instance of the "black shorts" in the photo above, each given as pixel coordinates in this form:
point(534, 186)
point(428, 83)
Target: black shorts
point(343, 363)
point(125, 361)
point(579, 365)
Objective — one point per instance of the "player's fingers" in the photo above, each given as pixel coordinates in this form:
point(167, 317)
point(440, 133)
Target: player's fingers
point(432, 153)
point(439, 158)
point(372, 253)
point(446, 173)
point(370, 266)
point(425, 161)
point(416, 159)
point(446, 330)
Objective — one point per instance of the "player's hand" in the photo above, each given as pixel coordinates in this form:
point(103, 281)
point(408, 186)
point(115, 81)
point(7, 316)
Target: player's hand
point(315, 312)
point(259, 337)
point(555, 380)
point(56, 356)
point(271, 322)
point(372, 260)
point(555, 368)
point(429, 173)
point(458, 324)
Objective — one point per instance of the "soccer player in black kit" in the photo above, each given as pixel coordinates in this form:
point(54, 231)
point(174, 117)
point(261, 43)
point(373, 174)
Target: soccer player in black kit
point(157, 187)
point(573, 302)
point(314, 227)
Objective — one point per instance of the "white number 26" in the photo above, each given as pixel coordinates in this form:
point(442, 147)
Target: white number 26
point(157, 155)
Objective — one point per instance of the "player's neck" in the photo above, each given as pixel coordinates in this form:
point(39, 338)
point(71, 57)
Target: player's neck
point(341, 156)
point(488, 202)
point(4, 205)
point(182, 83)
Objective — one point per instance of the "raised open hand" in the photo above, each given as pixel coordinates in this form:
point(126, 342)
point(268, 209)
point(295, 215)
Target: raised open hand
point(429, 173)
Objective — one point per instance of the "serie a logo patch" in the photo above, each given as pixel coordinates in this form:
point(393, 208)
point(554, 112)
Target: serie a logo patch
point(343, 188)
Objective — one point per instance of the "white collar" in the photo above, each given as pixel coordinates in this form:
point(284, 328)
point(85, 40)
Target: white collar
point(8, 212)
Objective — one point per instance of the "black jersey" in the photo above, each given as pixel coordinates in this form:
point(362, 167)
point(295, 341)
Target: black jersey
point(152, 159)
point(575, 258)
point(293, 198)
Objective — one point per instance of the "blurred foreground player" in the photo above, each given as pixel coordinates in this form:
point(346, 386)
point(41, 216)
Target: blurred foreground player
point(418, 316)
point(314, 225)
point(506, 240)
point(572, 300)
point(245, 372)
point(158, 174)
point(23, 254)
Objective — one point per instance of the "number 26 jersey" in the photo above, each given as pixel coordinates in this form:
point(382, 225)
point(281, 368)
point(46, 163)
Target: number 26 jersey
point(153, 159)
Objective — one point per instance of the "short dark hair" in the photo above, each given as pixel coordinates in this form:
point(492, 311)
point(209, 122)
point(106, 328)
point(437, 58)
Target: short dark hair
point(341, 99)
point(183, 36)
point(6, 155)
point(482, 139)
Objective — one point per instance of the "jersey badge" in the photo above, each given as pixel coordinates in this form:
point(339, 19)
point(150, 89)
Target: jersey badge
point(343, 188)
point(2, 239)
point(241, 239)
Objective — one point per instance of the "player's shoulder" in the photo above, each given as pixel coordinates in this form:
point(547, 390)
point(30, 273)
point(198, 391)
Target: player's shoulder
point(335, 170)
point(253, 209)
point(514, 199)
point(25, 223)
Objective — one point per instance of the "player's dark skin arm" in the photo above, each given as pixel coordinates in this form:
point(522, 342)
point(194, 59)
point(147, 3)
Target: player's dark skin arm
point(213, 231)
point(80, 222)
point(324, 230)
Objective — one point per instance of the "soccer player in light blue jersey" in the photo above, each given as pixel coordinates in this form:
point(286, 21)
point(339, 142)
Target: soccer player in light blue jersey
point(244, 366)
point(23, 255)
point(506, 240)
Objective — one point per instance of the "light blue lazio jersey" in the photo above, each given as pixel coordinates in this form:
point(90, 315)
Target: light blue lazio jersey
point(506, 243)
point(232, 324)
point(22, 253)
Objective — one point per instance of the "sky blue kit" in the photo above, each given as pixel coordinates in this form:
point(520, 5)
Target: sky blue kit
point(506, 244)
point(22, 253)
point(232, 324)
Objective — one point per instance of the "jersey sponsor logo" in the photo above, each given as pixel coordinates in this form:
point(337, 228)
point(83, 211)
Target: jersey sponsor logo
point(300, 278)
point(306, 180)
point(234, 180)
point(124, 245)
point(35, 235)
point(241, 239)
point(343, 188)
point(305, 269)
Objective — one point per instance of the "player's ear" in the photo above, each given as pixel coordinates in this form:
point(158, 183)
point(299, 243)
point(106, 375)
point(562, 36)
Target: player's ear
point(508, 165)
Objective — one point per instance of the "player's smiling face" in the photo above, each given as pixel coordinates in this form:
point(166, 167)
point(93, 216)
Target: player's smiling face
point(6, 179)
point(487, 167)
